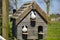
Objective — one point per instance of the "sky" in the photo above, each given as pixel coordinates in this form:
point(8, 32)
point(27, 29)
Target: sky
point(54, 5)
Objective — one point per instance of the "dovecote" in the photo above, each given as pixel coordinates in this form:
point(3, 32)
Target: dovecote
point(34, 20)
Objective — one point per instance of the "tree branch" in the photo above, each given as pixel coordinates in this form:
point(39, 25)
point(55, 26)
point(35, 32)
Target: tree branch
point(45, 1)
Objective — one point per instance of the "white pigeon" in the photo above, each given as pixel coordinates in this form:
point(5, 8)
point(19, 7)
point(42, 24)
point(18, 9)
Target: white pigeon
point(1, 38)
point(24, 29)
point(33, 16)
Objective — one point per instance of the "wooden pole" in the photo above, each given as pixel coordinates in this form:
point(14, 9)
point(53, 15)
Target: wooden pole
point(5, 18)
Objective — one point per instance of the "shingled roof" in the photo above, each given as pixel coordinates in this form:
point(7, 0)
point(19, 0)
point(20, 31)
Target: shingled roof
point(26, 8)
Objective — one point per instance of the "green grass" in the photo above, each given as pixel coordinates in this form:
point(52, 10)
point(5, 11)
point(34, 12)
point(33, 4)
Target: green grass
point(54, 31)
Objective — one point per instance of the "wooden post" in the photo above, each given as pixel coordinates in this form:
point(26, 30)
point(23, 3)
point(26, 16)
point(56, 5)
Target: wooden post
point(5, 18)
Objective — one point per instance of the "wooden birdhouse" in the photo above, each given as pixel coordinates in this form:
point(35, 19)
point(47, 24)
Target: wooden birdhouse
point(30, 22)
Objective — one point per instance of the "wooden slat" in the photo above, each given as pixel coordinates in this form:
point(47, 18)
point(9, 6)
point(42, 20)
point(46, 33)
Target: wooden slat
point(41, 33)
point(25, 33)
point(27, 3)
point(22, 15)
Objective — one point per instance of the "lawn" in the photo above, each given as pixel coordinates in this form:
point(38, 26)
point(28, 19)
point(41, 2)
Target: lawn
point(54, 31)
